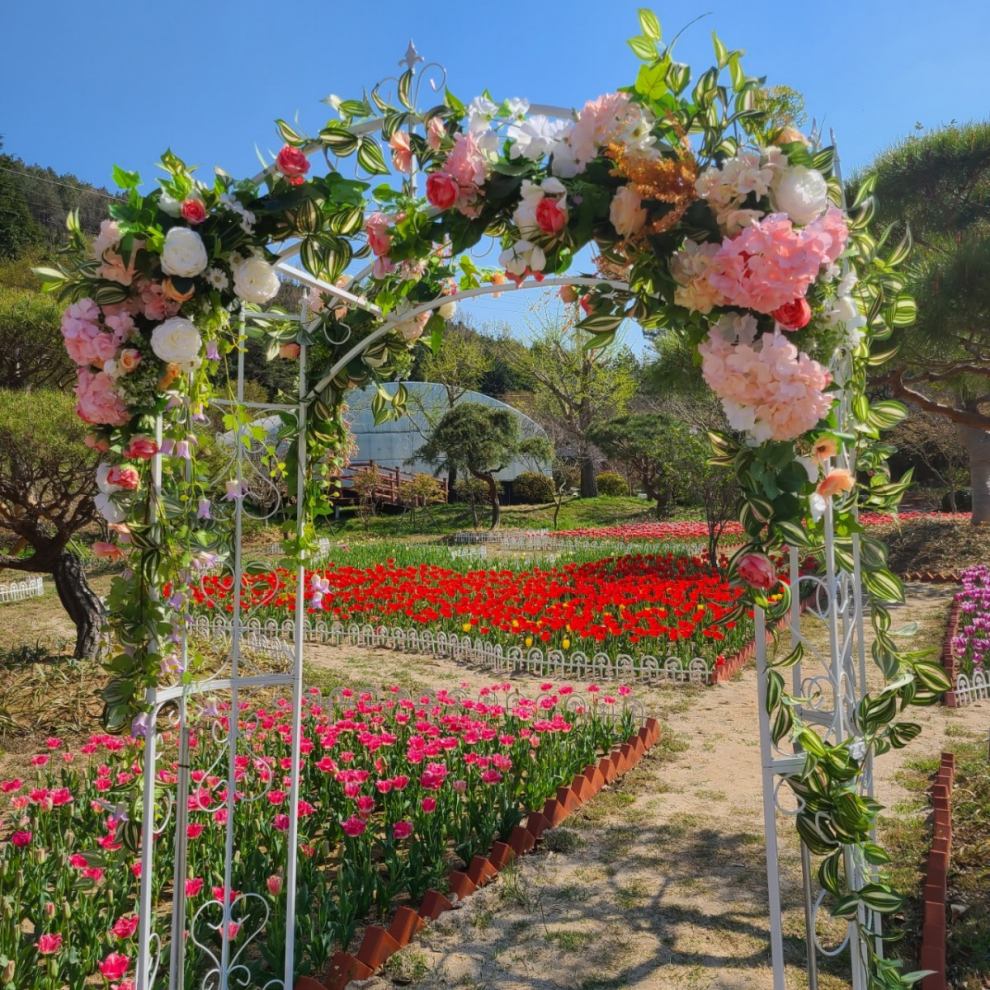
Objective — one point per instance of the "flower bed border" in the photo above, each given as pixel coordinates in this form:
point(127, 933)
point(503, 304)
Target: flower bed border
point(935, 893)
point(950, 662)
point(379, 943)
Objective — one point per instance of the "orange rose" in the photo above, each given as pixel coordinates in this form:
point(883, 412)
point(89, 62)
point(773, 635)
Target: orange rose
point(835, 482)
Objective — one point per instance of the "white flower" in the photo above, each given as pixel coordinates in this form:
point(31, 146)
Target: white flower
point(535, 137)
point(447, 310)
point(521, 257)
point(481, 112)
point(183, 253)
point(217, 277)
point(810, 466)
point(247, 217)
point(255, 280)
point(531, 195)
point(817, 504)
point(169, 204)
point(109, 509)
point(101, 479)
point(517, 106)
point(177, 341)
point(736, 328)
point(108, 237)
point(800, 192)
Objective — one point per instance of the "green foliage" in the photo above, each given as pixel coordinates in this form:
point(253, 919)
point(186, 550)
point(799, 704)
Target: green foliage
point(611, 484)
point(31, 349)
point(46, 472)
point(532, 488)
point(473, 437)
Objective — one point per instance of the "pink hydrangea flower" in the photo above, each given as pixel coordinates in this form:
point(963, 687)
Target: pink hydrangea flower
point(97, 402)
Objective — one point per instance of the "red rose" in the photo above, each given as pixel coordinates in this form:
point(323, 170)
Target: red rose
point(293, 164)
point(793, 315)
point(141, 448)
point(550, 216)
point(193, 210)
point(757, 570)
point(442, 190)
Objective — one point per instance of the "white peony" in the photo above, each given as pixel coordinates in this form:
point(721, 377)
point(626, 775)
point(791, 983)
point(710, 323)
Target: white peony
point(255, 280)
point(170, 205)
point(535, 137)
point(102, 484)
point(447, 310)
point(109, 509)
point(177, 341)
point(183, 253)
point(800, 192)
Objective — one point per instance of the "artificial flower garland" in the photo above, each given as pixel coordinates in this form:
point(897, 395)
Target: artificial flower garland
point(727, 228)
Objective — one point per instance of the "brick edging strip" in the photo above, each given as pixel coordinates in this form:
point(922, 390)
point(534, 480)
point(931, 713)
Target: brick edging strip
point(950, 662)
point(380, 943)
point(935, 893)
point(932, 577)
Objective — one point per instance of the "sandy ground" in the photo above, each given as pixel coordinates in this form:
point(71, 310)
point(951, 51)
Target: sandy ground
point(660, 881)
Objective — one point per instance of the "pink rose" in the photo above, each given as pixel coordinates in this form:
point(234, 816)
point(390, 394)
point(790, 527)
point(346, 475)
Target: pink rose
point(551, 217)
point(124, 476)
point(626, 212)
point(835, 482)
point(114, 966)
point(402, 156)
point(96, 443)
point(289, 351)
point(141, 448)
point(293, 164)
point(107, 551)
point(793, 315)
point(376, 227)
point(193, 210)
point(128, 360)
point(757, 570)
point(441, 190)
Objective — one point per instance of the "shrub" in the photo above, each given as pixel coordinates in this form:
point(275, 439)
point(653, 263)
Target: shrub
point(532, 488)
point(612, 483)
point(421, 489)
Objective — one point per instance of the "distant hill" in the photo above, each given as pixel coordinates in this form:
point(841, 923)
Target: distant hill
point(34, 202)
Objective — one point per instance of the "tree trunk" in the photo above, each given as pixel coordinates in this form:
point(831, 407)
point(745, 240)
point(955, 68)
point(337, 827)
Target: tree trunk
point(589, 481)
point(977, 443)
point(80, 602)
point(451, 480)
point(489, 479)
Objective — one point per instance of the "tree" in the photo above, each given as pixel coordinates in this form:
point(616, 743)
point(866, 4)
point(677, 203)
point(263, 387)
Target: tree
point(576, 389)
point(46, 496)
point(938, 186)
point(932, 443)
point(662, 453)
point(478, 439)
point(32, 353)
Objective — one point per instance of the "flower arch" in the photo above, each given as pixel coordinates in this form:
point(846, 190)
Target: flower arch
point(711, 220)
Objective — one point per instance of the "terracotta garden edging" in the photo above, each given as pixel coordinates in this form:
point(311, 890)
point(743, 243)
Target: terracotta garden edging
point(933, 932)
point(950, 662)
point(379, 943)
point(932, 577)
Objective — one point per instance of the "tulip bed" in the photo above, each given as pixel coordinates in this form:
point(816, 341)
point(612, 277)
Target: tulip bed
point(971, 644)
point(633, 604)
point(693, 529)
point(394, 793)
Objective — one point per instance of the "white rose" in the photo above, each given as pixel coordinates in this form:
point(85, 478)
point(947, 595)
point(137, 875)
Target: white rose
point(523, 256)
point(177, 341)
point(109, 509)
point(183, 253)
point(626, 212)
point(447, 310)
point(800, 192)
point(255, 280)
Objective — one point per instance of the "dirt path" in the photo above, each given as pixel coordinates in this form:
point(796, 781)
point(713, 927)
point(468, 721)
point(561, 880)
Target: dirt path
point(659, 882)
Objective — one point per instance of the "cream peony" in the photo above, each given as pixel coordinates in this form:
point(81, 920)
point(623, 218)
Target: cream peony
point(447, 310)
point(626, 212)
point(800, 192)
point(177, 341)
point(255, 280)
point(183, 253)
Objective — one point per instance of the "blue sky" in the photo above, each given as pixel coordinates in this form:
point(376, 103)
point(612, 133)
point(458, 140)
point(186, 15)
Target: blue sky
point(85, 84)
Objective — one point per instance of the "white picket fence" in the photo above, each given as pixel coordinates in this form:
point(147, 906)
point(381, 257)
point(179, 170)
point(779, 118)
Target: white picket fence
point(16, 591)
point(557, 663)
point(970, 689)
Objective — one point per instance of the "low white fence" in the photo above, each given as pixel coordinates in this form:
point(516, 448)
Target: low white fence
point(970, 689)
point(15, 591)
point(532, 660)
